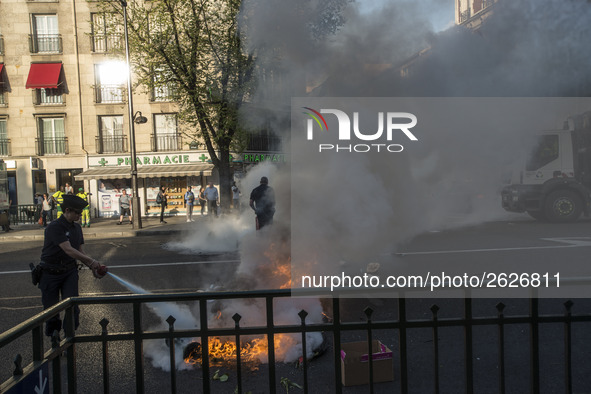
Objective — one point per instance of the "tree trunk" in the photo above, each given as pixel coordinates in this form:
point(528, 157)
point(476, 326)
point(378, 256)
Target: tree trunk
point(226, 178)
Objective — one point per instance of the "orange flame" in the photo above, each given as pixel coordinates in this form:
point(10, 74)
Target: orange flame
point(255, 351)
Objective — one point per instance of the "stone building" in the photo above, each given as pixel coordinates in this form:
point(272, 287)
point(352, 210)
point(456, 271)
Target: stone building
point(64, 114)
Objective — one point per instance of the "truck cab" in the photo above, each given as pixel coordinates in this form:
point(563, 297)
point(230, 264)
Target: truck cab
point(554, 181)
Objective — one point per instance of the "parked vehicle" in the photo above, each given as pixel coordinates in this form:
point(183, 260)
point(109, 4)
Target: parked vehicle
point(555, 181)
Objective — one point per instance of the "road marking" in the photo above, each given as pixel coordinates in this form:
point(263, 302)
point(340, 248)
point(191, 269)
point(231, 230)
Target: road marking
point(572, 242)
point(144, 265)
point(21, 308)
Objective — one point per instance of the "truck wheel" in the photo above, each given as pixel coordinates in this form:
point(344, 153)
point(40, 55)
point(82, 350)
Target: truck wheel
point(563, 206)
point(538, 215)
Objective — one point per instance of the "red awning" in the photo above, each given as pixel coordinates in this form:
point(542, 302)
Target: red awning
point(44, 76)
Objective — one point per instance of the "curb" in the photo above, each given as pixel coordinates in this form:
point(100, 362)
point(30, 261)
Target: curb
point(93, 235)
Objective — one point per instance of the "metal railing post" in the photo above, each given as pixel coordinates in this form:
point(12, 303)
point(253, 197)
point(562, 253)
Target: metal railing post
point(236, 319)
point(105, 342)
point(171, 346)
point(303, 314)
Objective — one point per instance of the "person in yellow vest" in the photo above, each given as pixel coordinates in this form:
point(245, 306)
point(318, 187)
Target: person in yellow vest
point(59, 199)
point(85, 218)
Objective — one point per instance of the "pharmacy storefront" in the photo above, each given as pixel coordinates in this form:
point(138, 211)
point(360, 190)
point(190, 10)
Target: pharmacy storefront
point(108, 176)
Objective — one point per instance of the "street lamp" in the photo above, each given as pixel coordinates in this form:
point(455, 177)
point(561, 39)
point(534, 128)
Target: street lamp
point(135, 199)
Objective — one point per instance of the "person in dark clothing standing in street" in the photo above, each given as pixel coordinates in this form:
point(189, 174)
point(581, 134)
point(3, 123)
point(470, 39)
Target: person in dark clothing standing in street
point(59, 271)
point(163, 201)
point(262, 201)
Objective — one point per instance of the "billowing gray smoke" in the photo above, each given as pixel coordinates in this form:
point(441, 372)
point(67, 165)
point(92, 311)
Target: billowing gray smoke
point(527, 48)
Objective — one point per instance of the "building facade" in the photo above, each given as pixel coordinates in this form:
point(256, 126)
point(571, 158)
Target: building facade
point(64, 115)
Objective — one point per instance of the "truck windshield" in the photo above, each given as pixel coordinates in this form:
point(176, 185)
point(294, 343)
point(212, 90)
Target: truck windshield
point(545, 151)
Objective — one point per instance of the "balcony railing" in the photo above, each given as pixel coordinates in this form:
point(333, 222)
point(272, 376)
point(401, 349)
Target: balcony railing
point(103, 43)
point(1, 45)
point(48, 97)
point(166, 142)
point(2, 98)
point(263, 143)
point(109, 93)
point(52, 146)
point(464, 16)
point(163, 93)
point(111, 144)
point(45, 43)
point(4, 147)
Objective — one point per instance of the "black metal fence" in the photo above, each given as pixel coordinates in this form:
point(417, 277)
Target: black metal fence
point(334, 328)
point(23, 214)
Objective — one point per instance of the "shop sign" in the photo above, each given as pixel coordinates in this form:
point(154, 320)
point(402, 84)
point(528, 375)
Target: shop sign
point(264, 157)
point(149, 160)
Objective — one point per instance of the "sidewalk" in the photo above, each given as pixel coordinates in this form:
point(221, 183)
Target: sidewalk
point(101, 228)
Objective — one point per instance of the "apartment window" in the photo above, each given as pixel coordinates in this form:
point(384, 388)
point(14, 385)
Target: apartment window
point(163, 89)
point(107, 32)
point(52, 137)
point(45, 36)
point(166, 137)
point(111, 78)
point(49, 96)
point(4, 141)
point(111, 138)
point(3, 82)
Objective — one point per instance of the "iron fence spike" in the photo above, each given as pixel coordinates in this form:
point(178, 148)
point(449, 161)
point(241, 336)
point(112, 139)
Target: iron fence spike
point(170, 320)
point(303, 314)
point(18, 369)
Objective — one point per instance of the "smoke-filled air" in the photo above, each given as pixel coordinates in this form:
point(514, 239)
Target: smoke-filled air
point(337, 48)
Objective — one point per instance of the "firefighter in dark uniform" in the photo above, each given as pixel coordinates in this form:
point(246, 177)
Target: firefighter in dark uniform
point(59, 269)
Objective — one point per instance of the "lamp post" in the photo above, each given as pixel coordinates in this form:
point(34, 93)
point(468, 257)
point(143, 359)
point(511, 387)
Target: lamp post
point(135, 199)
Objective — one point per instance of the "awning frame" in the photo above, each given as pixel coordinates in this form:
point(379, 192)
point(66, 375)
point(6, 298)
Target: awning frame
point(146, 172)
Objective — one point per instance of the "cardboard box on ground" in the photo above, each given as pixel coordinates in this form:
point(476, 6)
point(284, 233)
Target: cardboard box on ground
point(355, 363)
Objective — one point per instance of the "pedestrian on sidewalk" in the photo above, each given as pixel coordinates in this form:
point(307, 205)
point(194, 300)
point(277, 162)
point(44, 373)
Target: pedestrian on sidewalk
point(236, 198)
point(162, 199)
point(85, 219)
point(124, 207)
point(59, 271)
point(38, 206)
point(212, 196)
point(189, 200)
point(202, 200)
point(58, 197)
point(47, 210)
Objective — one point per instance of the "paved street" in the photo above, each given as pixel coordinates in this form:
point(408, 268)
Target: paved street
point(167, 259)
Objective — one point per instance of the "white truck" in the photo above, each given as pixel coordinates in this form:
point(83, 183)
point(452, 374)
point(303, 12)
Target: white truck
point(555, 182)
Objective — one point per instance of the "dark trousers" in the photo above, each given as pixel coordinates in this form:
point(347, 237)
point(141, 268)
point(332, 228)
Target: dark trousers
point(47, 215)
point(212, 207)
point(162, 208)
point(202, 203)
point(51, 286)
